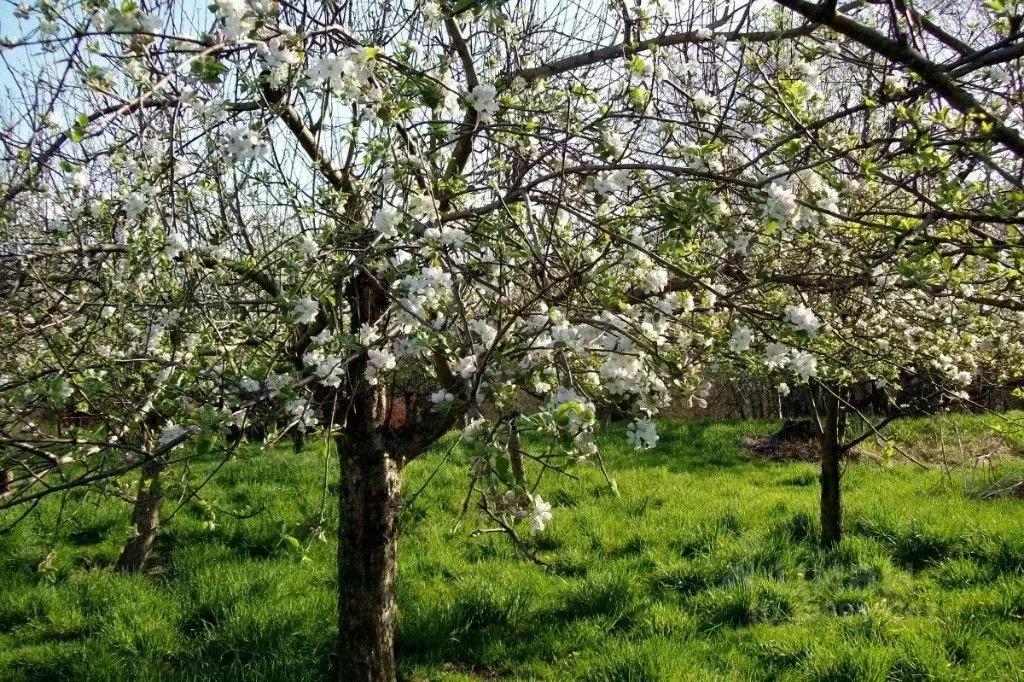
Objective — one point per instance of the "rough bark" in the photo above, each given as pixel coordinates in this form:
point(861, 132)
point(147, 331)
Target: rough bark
point(831, 453)
point(6, 482)
point(145, 518)
point(369, 497)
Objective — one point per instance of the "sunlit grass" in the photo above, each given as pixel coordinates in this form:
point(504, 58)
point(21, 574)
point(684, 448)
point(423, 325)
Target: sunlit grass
point(705, 568)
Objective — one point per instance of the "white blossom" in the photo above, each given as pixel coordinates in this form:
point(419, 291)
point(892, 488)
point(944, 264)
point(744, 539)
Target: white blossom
point(432, 13)
point(740, 340)
point(244, 143)
point(347, 73)
point(566, 395)
point(368, 335)
point(540, 516)
point(80, 178)
point(776, 355)
point(278, 58)
point(407, 348)
point(803, 319)
point(741, 243)
point(642, 433)
point(441, 397)
point(614, 143)
point(421, 207)
point(300, 410)
point(609, 184)
point(385, 221)
point(276, 381)
point(485, 331)
point(234, 15)
point(53, 120)
point(781, 203)
point(135, 204)
point(329, 370)
point(655, 280)
point(379, 360)
point(584, 444)
point(305, 311)
point(323, 338)
point(704, 102)
point(804, 365)
point(465, 367)
point(484, 101)
point(472, 432)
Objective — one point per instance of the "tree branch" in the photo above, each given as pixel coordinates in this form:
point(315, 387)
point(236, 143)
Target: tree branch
point(929, 72)
point(626, 50)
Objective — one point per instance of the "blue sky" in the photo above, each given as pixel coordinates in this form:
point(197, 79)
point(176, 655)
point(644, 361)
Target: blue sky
point(8, 29)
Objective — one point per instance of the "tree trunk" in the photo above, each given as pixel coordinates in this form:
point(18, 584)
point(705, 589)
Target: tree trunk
point(831, 452)
point(743, 400)
point(515, 454)
point(369, 497)
point(145, 518)
point(6, 482)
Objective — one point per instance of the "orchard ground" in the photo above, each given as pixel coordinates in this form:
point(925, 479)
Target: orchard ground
point(705, 568)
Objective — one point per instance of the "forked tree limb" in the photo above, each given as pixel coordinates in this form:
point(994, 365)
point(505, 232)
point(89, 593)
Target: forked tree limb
point(930, 73)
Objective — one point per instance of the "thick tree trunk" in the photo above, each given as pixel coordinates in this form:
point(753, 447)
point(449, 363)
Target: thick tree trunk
point(831, 453)
point(367, 562)
point(145, 518)
point(369, 496)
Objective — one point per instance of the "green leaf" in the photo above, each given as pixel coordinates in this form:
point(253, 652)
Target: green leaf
point(79, 129)
point(208, 70)
point(430, 95)
point(503, 467)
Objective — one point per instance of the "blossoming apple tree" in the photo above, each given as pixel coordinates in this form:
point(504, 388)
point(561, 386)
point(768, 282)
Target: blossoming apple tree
point(381, 223)
point(884, 247)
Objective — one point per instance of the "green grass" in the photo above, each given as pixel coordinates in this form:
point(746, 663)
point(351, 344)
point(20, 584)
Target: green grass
point(705, 568)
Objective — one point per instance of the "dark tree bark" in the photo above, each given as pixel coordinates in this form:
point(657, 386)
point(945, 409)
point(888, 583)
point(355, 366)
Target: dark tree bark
point(6, 481)
point(145, 518)
point(831, 454)
point(369, 496)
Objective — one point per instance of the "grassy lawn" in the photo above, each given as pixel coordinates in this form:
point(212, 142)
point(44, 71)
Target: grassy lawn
point(704, 569)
